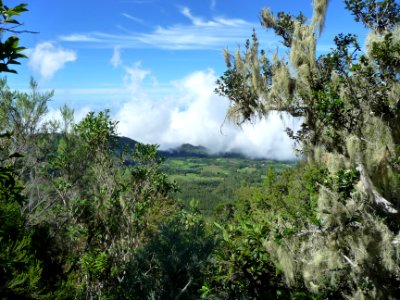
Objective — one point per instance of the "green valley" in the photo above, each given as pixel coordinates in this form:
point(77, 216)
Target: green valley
point(216, 181)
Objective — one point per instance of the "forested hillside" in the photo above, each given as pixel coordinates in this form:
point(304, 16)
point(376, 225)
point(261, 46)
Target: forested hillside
point(85, 214)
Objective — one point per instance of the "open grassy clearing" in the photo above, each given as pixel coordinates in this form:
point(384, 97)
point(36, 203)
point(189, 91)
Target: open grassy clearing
point(215, 181)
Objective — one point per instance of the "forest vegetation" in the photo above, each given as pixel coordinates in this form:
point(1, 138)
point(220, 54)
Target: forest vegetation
point(84, 217)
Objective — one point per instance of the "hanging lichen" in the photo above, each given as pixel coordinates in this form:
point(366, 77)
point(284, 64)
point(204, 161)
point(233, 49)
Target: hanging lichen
point(349, 101)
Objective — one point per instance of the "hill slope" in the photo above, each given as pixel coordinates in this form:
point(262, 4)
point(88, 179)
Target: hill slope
point(184, 150)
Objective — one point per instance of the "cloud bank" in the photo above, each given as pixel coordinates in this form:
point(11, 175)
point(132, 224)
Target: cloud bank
point(194, 114)
point(47, 58)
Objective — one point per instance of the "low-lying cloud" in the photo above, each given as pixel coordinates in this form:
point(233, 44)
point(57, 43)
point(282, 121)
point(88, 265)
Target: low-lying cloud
point(194, 114)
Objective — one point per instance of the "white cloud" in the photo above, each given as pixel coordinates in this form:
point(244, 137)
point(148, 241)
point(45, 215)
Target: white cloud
point(79, 38)
point(132, 18)
point(134, 77)
point(47, 58)
point(216, 33)
point(116, 58)
point(196, 20)
point(194, 114)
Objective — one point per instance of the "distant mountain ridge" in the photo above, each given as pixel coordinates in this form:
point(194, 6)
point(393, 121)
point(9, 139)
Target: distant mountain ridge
point(184, 150)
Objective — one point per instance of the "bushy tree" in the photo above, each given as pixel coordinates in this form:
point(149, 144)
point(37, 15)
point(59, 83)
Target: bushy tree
point(87, 207)
point(98, 209)
point(20, 269)
point(76, 217)
point(349, 102)
point(241, 267)
point(171, 265)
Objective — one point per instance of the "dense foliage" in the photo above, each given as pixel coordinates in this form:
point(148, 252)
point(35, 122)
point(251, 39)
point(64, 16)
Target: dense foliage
point(88, 211)
point(10, 51)
point(349, 102)
point(82, 217)
point(20, 271)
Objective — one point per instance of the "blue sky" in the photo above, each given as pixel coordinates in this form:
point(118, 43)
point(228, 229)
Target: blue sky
point(154, 64)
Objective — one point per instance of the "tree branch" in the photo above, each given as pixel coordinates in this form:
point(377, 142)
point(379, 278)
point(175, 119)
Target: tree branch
point(371, 190)
point(184, 289)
